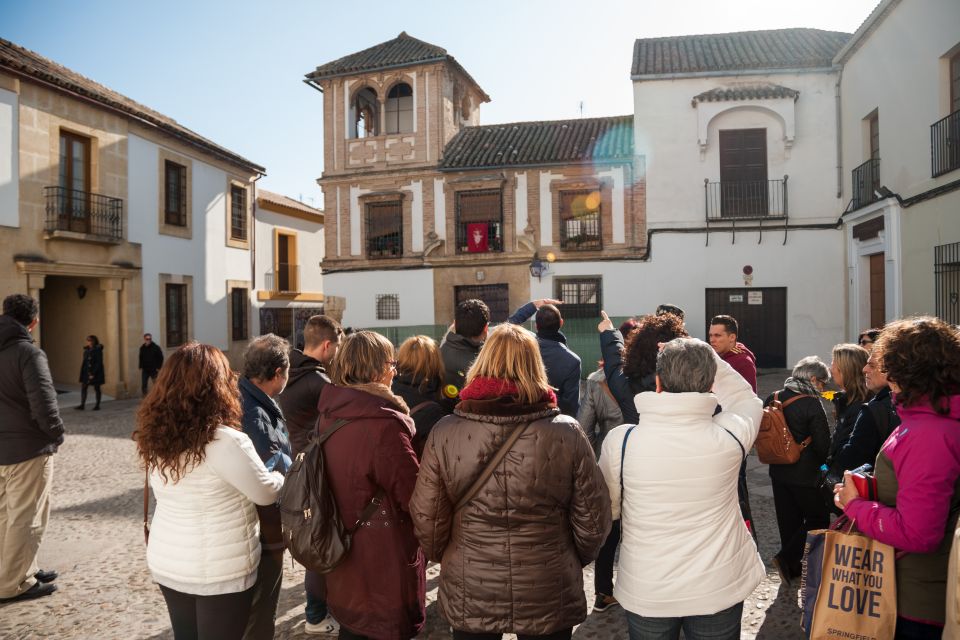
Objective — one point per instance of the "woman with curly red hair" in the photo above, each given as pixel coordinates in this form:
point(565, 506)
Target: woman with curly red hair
point(204, 543)
point(917, 469)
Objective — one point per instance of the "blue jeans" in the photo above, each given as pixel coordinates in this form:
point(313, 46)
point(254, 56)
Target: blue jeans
point(316, 608)
point(723, 625)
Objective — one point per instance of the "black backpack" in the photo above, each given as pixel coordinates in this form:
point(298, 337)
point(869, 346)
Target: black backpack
point(312, 528)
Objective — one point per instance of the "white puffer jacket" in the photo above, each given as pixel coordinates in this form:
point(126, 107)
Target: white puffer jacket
point(204, 538)
point(685, 549)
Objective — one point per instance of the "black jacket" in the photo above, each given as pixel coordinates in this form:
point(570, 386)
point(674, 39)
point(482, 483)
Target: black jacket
point(91, 369)
point(847, 414)
point(151, 357)
point(623, 388)
point(805, 418)
point(425, 407)
point(299, 399)
point(30, 424)
point(458, 354)
point(867, 436)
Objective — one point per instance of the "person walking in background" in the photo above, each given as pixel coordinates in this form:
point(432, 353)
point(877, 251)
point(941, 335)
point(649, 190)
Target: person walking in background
point(419, 378)
point(266, 367)
point(91, 371)
point(796, 499)
point(31, 431)
point(204, 545)
point(512, 556)
point(847, 371)
point(322, 336)
point(562, 365)
point(917, 470)
point(379, 590)
point(686, 560)
point(149, 361)
point(461, 345)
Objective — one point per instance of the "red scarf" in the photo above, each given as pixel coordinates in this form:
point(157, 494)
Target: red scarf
point(482, 388)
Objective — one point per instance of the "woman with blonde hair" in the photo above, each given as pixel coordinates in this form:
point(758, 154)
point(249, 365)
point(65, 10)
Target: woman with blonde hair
point(379, 590)
point(420, 375)
point(530, 505)
point(204, 545)
point(846, 369)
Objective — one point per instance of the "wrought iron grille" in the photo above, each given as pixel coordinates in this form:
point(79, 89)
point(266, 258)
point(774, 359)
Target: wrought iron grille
point(481, 207)
point(388, 306)
point(580, 220)
point(866, 183)
point(176, 312)
point(945, 145)
point(286, 278)
point(752, 199)
point(175, 194)
point(582, 297)
point(384, 229)
point(238, 213)
point(238, 314)
point(946, 269)
point(83, 212)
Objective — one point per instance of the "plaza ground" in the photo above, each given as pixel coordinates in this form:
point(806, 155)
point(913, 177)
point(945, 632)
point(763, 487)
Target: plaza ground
point(95, 541)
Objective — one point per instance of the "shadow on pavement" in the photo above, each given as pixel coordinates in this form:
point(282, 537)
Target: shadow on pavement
point(782, 621)
point(127, 505)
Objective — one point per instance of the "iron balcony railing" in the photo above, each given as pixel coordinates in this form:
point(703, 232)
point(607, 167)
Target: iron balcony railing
point(286, 278)
point(866, 183)
point(752, 199)
point(83, 212)
point(945, 145)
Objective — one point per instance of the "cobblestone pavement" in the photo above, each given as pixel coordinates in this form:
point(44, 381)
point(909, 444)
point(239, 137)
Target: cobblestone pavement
point(95, 541)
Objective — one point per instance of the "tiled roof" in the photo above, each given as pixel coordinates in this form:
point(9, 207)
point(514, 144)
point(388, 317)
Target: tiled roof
point(402, 51)
point(31, 65)
point(533, 143)
point(746, 92)
point(266, 198)
point(741, 51)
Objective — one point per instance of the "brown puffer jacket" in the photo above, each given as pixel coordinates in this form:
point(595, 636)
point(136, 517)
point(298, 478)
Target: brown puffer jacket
point(512, 558)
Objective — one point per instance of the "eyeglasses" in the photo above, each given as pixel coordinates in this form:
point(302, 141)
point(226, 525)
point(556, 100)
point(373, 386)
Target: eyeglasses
point(865, 342)
point(393, 363)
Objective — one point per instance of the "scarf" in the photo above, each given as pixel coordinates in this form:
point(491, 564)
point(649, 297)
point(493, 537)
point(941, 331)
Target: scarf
point(801, 385)
point(481, 388)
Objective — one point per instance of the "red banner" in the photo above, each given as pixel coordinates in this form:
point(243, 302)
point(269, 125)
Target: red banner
point(477, 241)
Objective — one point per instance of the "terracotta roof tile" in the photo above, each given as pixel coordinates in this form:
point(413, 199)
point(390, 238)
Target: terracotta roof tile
point(746, 92)
point(269, 197)
point(740, 51)
point(533, 143)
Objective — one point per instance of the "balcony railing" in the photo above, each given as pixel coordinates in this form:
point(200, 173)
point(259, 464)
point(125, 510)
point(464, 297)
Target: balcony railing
point(945, 145)
point(866, 183)
point(286, 278)
point(746, 200)
point(83, 212)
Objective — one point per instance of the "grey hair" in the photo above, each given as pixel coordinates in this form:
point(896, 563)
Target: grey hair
point(811, 368)
point(687, 364)
point(264, 355)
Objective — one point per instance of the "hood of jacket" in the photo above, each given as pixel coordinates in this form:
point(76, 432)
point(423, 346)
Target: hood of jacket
point(301, 364)
point(371, 400)
point(251, 391)
point(458, 342)
point(12, 332)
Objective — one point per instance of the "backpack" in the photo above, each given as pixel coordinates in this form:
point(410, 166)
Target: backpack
point(775, 443)
point(312, 528)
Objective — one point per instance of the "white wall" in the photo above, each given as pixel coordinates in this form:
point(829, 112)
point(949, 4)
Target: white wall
point(205, 256)
point(414, 286)
point(682, 268)
point(9, 159)
point(310, 249)
point(667, 138)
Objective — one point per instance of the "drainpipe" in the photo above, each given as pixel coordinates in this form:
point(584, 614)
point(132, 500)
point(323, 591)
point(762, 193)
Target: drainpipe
point(253, 243)
point(839, 136)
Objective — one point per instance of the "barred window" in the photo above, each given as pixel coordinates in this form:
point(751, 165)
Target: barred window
point(580, 220)
point(479, 221)
point(388, 306)
point(238, 314)
point(385, 229)
point(175, 194)
point(582, 297)
point(238, 213)
point(176, 311)
point(946, 270)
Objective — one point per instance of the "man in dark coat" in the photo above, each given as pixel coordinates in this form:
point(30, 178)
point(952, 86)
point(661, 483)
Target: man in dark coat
point(151, 359)
point(30, 433)
point(462, 344)
point(266, 365)
point(322, 336)
point(562, 365)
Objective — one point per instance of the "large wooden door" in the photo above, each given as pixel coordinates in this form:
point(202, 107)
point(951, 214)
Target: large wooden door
point(496, 297)
point(743, 172)
point(74, 211)
point(878, 291)
point(762, 316)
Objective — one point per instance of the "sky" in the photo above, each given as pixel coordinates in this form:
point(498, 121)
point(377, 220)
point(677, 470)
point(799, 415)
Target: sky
point(233, 71)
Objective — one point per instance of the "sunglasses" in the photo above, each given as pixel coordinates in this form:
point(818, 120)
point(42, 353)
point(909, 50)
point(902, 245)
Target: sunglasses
point(865, 342)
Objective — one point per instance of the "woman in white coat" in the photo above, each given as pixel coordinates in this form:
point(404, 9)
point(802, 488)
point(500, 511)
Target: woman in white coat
point(204, 544)
point(687, 561)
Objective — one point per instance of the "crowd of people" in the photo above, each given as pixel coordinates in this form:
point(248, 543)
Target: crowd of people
point(482, 454)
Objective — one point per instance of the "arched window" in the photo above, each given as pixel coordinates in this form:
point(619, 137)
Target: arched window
point(366, 114)
point(400, 109)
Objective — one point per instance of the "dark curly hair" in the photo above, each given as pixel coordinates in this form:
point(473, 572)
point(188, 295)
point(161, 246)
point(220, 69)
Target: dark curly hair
point(195, 393)
point(640, 350)
point(921, 356)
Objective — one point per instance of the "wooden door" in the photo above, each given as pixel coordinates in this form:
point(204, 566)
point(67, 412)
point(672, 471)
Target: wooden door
point(496, 297)
point(762, 316)
point(878, 291)
point(743, 172)
point(74, 210)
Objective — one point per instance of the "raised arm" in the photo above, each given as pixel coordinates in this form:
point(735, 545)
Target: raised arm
point(742, 409)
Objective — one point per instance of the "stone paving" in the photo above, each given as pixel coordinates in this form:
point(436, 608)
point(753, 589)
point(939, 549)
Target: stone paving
point(95, 541)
